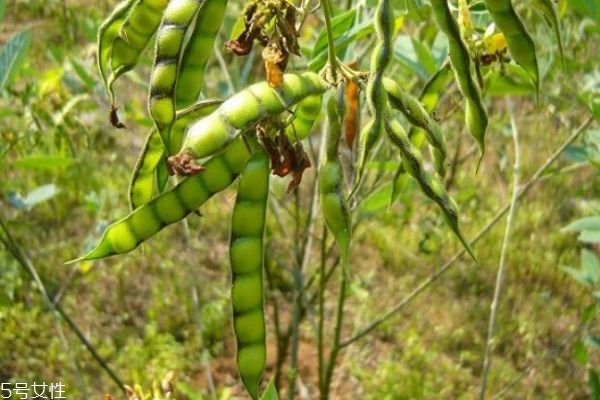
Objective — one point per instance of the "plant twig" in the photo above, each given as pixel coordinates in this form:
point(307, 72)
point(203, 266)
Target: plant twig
point(495, 219)
point(56, 309)
point(500, 276)
point(328, 14)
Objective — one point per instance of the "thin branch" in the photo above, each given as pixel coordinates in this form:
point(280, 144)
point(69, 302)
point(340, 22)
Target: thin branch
point(500, 276)
point(435, 276)
point(24, 262)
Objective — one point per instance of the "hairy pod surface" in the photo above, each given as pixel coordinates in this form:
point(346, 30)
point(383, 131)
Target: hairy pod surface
point(172, 205)
point(475, 114)
point(331, 178)
point(416, 114)
point(520, 44)
point(430, 184)
point(177, 19)
point(376, 97)
point(139, 26)
point(150, 173)
point(246, 108)
point(108, 31)
point(246, 257)
point(197, 52)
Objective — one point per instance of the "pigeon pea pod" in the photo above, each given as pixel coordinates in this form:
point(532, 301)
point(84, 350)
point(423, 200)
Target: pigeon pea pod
point(376, 97)
point(177, 19)
point(138, 28)
point(333, 201)
point(246, 256)
point(305, 114)
point(108, 31)
point(174, 204)
point(475, 113)
point(430, 185)
point(246, 108)
point(150, 173)
point(520, 44)
point(197, 52)
point(416, 114)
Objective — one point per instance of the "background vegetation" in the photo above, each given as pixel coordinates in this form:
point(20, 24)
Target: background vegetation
point(165, 307)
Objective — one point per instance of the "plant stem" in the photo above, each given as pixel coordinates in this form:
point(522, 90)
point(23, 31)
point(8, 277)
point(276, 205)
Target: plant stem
point(495, 219)
point(56, 309)
point(500, 276)
point(337, 331)
point(328, 14)
point(321, 311)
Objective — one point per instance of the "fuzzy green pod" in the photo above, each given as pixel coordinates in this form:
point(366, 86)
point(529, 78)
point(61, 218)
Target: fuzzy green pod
point(246, 257)
point(520, 44)
point(172, 205)
point(150, 173)
point(211, 134)
point(197, 52)
point(304, 116)
point(331, 178)
point(177, 20)
point(430, 184)
point(376, 97)
point(139, 26)
point(416, 114)
point(476, 114)
point(108, 31)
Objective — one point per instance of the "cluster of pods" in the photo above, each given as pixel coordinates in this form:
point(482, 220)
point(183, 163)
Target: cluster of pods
point(256, 132)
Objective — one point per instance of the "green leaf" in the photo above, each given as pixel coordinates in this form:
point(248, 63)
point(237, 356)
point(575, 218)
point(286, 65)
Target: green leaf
point(549, 10)
point(40, 195)
point(406, 53)
point(593, 341)
point(579, 352)
point(13, 56)
point(583, 224)
point(358, 32)
point(270, 392)
point(594, 383)
point(579, 275)
point(377, 200)
point(589, 237)
point(587, 8)
point(43, 162)
point(82, 73)
point(340, 24)
point(2, 10)
point(591, 265)
point(514, 82)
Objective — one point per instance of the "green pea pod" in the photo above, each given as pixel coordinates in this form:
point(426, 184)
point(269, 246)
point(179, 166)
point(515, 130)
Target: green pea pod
point(333, 201)
point(172, 205)
point(520, 44)
point(197, 52)
point(416, 114)
point(138, 28)
point(176, 21)
point(376, 97)
point(246, 256)
point(429, 97)
point(150, 173)
point(476, 115)
point(430, 184)
point(246, 108)
point(108, 31)
point(304, 116)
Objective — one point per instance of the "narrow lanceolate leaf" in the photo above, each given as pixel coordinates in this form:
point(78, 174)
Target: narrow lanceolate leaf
point(520, 44)
point(549, 10)
point(13, 56)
